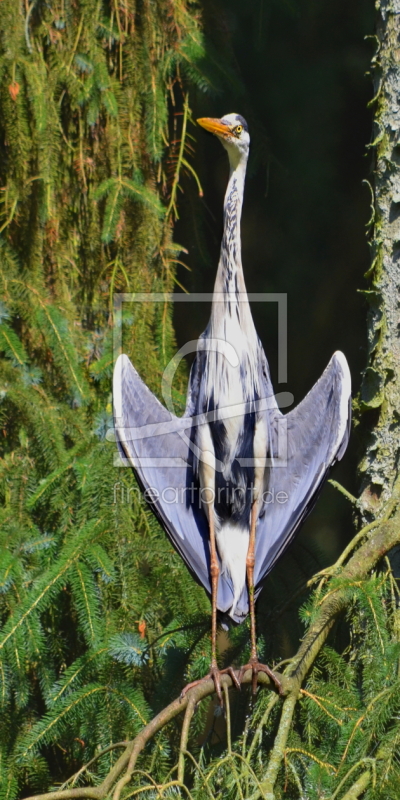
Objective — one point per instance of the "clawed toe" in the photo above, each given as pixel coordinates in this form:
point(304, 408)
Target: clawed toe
point(256, 667)
point(232, 674)
point(215, 673)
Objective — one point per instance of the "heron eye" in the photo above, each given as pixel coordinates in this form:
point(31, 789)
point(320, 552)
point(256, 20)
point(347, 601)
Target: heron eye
point(237, 131)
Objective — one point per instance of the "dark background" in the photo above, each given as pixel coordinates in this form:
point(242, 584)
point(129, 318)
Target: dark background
point(297, 72)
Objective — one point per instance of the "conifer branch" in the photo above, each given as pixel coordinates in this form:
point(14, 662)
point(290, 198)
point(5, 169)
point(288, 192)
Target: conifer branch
point(357, 789)
point(366, 558)
point(382, 540)
point(127, 760)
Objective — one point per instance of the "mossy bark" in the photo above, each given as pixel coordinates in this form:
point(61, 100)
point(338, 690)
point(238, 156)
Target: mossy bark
point(380, 391)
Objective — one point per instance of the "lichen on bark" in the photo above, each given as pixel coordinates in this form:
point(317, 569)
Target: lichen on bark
point(380, 390)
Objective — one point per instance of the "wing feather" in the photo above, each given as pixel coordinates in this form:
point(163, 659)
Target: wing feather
point(156, 444)
point(316, 436)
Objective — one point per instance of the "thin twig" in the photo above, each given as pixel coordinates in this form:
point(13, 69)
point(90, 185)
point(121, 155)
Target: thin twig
point(358, 567)
point(201, 773)
point(279, 747)
point(329, 572)
point(190, 708)
point(273, 701)
point(370, 761)
point(85, 767)
point(353, 500)
point(181, 161)
point(27, 18)
point(10, 217)
point(228, 718)
point(78, 36)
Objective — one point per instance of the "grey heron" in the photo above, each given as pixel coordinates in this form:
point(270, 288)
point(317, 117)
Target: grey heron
point(245, 475)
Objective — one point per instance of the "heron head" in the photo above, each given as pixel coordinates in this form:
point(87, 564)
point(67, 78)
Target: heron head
point(232, 131)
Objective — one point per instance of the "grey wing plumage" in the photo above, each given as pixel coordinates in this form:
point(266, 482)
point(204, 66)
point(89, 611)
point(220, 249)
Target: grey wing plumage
point(156, 444)
point(309, 440)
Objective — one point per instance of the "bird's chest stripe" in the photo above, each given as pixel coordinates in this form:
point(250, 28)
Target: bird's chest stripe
point(229, 244)
point(244, 440)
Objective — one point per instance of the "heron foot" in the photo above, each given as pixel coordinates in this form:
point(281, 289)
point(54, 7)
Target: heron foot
point(215, 673)
point(256, 667)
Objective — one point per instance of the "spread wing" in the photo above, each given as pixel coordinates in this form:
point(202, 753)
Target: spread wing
point(156, 445)
point(305, 444)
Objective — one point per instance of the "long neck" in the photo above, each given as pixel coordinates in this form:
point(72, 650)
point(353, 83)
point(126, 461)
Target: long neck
point(229, 283)
point(231, 320)
point(230, 273)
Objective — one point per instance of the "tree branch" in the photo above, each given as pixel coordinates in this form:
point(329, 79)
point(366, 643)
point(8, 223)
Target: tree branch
point(383, 538)
point(358, 787)
point(380, 541)
point(135, 747)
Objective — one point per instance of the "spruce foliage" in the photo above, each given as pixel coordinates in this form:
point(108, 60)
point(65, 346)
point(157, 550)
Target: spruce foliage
point(90, 169)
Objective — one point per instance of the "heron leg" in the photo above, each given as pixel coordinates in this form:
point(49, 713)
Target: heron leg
point(215, 673)
point(254, 663)
point(214, 570)
point(250, 561)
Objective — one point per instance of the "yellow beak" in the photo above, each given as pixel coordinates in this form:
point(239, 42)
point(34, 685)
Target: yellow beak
point(214, 126)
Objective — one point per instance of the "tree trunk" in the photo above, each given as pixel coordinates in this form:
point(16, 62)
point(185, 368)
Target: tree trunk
point(380, 392)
